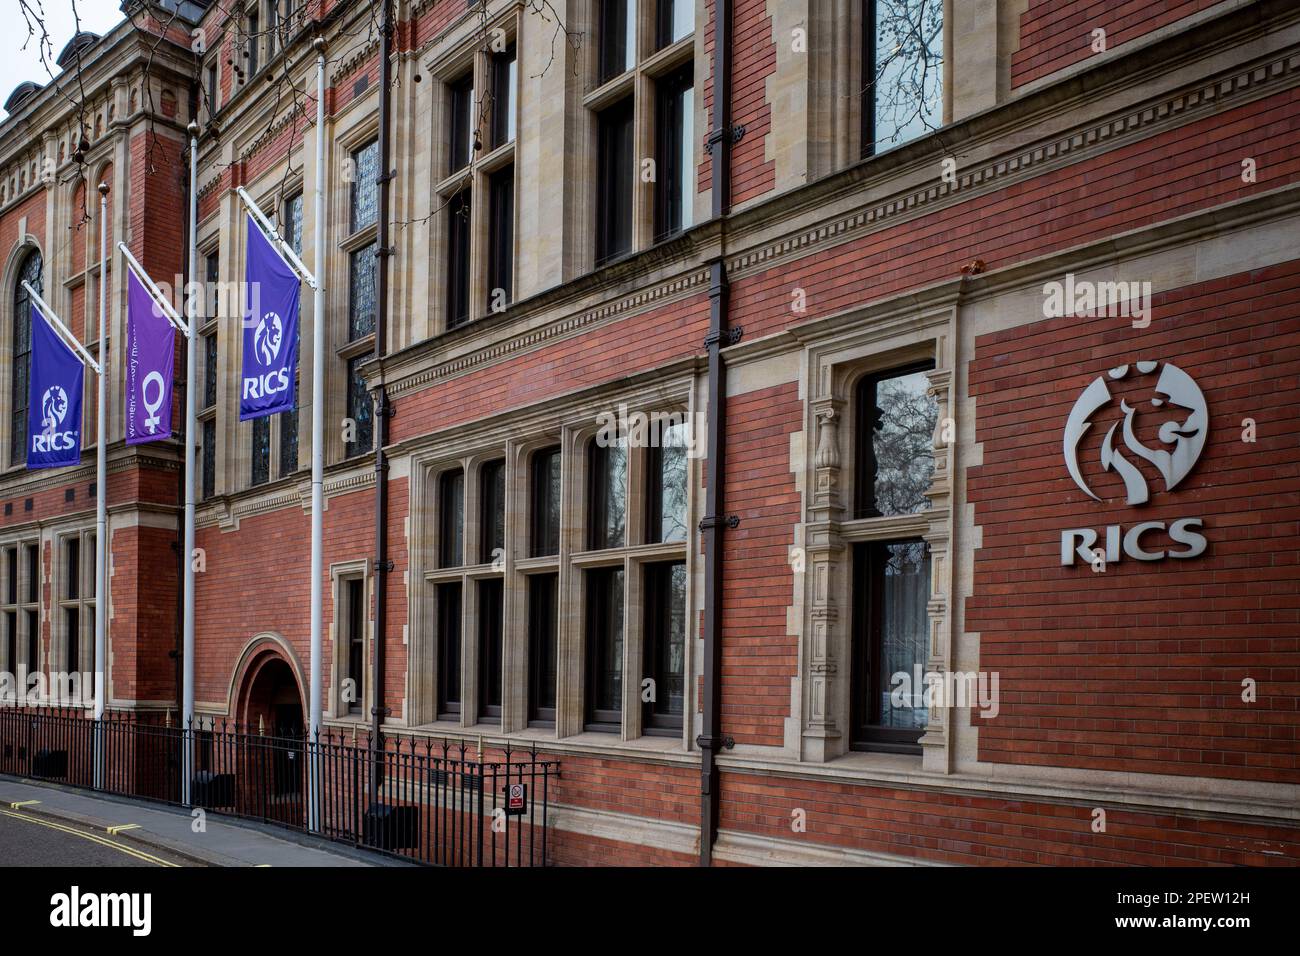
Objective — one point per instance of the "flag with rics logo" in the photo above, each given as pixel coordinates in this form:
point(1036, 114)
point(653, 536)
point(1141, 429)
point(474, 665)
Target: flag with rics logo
point(53, 399)
point(270, 356)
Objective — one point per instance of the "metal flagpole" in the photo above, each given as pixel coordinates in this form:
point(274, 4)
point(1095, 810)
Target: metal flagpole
point(317, 434)
point(191, 435)
point(101, 497)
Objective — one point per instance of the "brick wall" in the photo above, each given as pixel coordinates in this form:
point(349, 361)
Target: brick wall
point(984, 830)
point(1140, 668)
point(1170, 174)
point(759, 658)
point(1055, 34)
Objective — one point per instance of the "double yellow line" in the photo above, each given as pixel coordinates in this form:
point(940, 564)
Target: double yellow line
point(93, 838)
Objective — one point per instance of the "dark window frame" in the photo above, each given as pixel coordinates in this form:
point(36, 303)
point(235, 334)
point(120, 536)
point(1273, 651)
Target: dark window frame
point(866, 416)
point(460, 238)
point(673, 184)
point(491, 646)
point(543, 526)
point(448, 598)
point(31, 268)
point(501, 235)
point(615, 181)
point(599, 585)
point(492, 508)
point(865, 679)
point(354, 598)
point(598, 488)
point(451, 548)
point(543, 629)
point(656, 597)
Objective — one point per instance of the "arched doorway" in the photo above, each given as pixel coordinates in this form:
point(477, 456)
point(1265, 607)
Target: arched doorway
point(272, 705)
point(270, 714)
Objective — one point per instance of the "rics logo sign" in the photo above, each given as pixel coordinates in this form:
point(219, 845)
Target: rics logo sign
point(1174, 397)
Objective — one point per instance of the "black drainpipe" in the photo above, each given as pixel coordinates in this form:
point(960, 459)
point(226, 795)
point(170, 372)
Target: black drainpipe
point(382, 565)
point(721, 136)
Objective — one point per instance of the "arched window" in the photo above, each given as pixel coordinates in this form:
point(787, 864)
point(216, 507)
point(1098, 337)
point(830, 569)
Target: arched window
point(22, 355)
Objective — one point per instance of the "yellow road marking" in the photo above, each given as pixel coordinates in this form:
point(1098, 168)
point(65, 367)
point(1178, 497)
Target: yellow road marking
point(23, 803)
point(121, 828)
point(93, 838)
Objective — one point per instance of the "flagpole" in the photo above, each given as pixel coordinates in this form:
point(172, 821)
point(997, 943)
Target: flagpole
point(191, 427)
point(101, 496)
point(317, 434)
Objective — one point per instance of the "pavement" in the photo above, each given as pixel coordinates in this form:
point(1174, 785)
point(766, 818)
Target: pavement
point(50, 825)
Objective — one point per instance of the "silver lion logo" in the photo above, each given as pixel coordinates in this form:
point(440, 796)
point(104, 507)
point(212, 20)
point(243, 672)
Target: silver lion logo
point(266, 339)
point(54, 407)
point(1184, 429)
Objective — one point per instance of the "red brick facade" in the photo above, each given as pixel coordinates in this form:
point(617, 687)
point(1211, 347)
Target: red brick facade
point(1120, 690)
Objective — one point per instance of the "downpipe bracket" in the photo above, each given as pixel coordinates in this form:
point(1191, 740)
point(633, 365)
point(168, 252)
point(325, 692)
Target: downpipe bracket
point(726, 742)
point(709, 522)
point(726, 337)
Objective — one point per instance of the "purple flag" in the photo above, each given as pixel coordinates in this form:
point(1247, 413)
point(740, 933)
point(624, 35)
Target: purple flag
point(150, 364)
point(54, 399)
point(270, 330)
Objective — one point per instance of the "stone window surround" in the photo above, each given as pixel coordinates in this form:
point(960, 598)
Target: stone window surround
point(576, 427)
point(639, 84)
point(21, 541)
point(473, 58)
point(829, 532)
point(84, 602)
point(340, 573)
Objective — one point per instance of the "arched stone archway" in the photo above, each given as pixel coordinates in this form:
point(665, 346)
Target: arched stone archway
point(269, 711)
point(270, 701)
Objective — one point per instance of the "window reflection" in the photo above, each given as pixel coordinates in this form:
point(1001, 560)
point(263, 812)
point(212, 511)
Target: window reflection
point(896, 453)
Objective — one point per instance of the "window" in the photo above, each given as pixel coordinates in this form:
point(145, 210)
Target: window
point(891, 632)
point(501, 238)
point(617, 37)
point(491, 595)
point(254, 25)
point(354, 635)
point(76, 599)
point(447, 599)
point(209, 455)
point(604, 693)
point(21, 609)
point(261, 451)
point(492, 505)
point(902, 65)
point(477, 193)
point(210, 370)
point(615, 182)
point(666, 501)
point(461, 94)
point(213, 90)
point(674, 20)
point(664, 651)
point(361, 292)
point(542, 592)
point(360, 408)
point(505, 78)
point(30, 272)
point(273, 30)
point(451, 518)
point(212, 278)
point(895, 454)
point(458, 258)
point(545, 498)
point(364, 193)
point(608, 494)
point(289, 419)
point(674, 153)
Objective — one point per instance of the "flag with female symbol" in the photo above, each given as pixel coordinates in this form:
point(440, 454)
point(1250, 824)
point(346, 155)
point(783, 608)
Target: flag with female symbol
point(150, 364)
point(53, 399)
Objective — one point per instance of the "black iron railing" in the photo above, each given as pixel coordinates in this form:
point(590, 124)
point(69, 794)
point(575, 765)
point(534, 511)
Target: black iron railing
point(437, 802)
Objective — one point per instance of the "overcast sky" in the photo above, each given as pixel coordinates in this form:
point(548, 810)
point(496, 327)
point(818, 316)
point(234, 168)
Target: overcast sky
point(18, 64)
